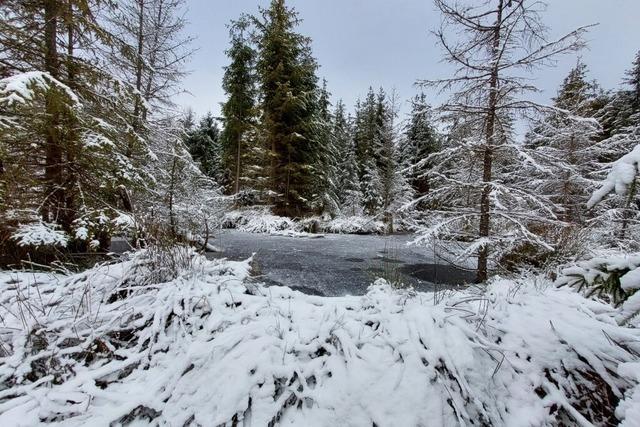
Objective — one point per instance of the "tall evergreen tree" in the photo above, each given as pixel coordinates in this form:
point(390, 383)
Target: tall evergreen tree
point(565, 144)
point(78, 145)
point(348, 183)
point(325, 167)
point(288, 85)
point(203, 143)
point(239, 111)
point(420, 141)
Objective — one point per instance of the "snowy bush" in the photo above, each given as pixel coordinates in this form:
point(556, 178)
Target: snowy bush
point(614, 277)
point(258, 221)
point(354, 225)
point(201, 345)
point(40, 234)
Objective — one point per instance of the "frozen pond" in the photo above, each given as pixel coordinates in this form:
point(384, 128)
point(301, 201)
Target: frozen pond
point(338, 264)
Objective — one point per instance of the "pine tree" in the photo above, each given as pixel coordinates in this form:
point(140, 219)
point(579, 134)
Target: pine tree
point(239, 111)
point(326, 164)
point(348, 184)
point(76, 147)
point(565, 144)
point(203, 143)
point(288, 85)
point(420, 141)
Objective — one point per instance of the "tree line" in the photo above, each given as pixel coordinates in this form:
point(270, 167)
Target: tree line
point(91, 144)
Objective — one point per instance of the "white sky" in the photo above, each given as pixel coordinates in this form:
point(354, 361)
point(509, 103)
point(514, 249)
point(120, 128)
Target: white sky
point(362, 43)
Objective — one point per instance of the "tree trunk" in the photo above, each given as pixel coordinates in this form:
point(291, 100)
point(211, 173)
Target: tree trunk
point(238, 158)
point(137, 114)
point(485, 201)
point(53, 173)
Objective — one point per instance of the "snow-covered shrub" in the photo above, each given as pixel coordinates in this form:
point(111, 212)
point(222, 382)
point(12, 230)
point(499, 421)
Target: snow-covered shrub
point(207, 347)
point(354, 225)
point(614, 277)
point(258, 221)
point(40, 234)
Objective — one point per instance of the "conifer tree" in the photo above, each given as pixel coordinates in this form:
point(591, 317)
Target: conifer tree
point(490, 44)
point(325, 167)
point(288, 84)
point(77, 145)
point(420, 141)
point(565, 144)
point(623, 146)
point(203, 143)
point(348, 184)
point(239, 111)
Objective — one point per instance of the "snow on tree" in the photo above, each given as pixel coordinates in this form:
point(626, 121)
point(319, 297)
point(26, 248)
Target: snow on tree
point(325, 168)
point(348, 183)
point(203, 143)
point(624, 142)
point(186, 203)
point(564, 144)
point(420, 140)
point(494, 43)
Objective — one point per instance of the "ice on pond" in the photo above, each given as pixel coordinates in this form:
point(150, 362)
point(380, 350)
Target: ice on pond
point(339, 264)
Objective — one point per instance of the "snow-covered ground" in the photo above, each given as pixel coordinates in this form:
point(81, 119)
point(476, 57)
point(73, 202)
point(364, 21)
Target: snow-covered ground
point(339, 264)
point(173, 339)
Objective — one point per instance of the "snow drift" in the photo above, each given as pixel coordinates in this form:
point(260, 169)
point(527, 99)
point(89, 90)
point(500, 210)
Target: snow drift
point(169, 338)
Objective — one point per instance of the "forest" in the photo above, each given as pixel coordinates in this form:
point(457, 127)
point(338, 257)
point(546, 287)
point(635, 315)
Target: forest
point(467, 256)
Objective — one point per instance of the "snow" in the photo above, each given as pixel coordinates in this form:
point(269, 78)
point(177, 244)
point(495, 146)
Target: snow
point(620, 178)
point(589, 275)
point(19, 87)
point(174, 339)
point(40, 234)
point(258, 221)
point(354, 225)
point(262, 221)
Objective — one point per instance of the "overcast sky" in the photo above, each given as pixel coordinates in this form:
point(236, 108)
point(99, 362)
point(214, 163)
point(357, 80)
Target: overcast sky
point(362, 43)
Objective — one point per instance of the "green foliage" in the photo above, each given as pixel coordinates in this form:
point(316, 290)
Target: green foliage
point(288, 83)
point(203, 143)
point(239, 111)
point(605, 283)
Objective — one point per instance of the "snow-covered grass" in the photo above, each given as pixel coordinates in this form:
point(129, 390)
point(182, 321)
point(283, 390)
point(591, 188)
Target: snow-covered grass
point(169, 338)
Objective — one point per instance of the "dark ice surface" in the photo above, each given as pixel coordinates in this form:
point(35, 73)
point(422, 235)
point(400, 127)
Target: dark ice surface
point(338, 264)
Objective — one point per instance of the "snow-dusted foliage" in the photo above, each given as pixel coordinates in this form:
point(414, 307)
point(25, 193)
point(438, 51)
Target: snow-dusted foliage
point(611, 276)
point(173, 339)
point(354, 225)
point(621, 177)
point(258, 221)
point(40, 234)
point(261, 220)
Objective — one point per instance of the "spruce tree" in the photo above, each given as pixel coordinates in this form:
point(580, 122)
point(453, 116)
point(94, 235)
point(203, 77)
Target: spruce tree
point(565, 144)
point(420, 141)
point(203, 143)
point(78, 144)
point(239, 111)
point(348, 183)
point(326, 164)
point(288, 83)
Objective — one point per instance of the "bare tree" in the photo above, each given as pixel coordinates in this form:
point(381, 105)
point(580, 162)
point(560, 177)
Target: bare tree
point(493, 44)
point(155, 51)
